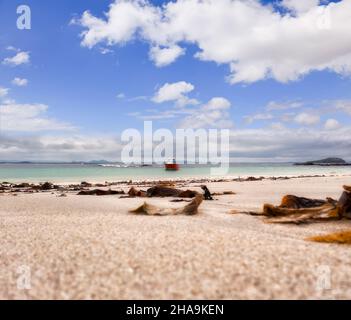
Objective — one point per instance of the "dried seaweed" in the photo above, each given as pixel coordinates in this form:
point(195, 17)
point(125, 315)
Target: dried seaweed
point(161, 191)
point(326, 212)
point(343, 237)
point(298, 210)
point(189, 209)
point(98, 192)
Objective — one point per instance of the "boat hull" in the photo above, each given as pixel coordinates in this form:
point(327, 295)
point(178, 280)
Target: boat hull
point(172, 167)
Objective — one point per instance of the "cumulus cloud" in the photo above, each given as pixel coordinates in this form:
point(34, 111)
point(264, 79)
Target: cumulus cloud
point(29, 118)
point(3, 92)
point(20, 58)
point(175, 92)
point(213, 114)
point(299, 6)
point(165, 56)
point(19, 82)
point(189, 113)
point(332, 124)
point(308, 119)
point(255, 40)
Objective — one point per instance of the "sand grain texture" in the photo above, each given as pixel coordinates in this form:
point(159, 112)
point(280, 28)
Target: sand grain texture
point(91, 247)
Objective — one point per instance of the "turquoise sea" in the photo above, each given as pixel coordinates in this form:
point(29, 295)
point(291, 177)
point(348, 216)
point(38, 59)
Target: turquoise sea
point(88, 172)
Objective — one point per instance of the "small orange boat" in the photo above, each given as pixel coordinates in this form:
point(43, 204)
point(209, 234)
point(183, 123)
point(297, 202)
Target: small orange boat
point(172, 165)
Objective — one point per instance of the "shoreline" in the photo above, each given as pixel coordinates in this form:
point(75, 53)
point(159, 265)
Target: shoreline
point(193, 179)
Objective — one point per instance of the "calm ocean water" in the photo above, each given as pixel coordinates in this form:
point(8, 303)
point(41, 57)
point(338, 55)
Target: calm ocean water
point(77, 172)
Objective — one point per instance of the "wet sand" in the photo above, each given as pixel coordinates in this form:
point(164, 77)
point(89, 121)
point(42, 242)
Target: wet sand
point(83, 247)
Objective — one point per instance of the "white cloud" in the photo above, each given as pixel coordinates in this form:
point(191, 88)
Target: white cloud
point(60, 147)
point(175, 92)
point(255, 40)
point(3, 92)
point(138, 98)
point(278, 106)
point(342, 105)
point(249, 144)
point(12, 48)
point(19, 82)
point(105, 50)
point(300, 6)
point(164, 115)
point(258, 117)
point(214, 114)
point(29, 117)
point(277, 126)
point(155, 114)
point(332, 124)
point(305, 118)
point(290, 144)
point(8, 101)
point(121, 95)
point(20, 58)
point(164, 56)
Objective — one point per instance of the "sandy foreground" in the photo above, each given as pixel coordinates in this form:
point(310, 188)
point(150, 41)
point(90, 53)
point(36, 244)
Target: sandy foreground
point(83, 247)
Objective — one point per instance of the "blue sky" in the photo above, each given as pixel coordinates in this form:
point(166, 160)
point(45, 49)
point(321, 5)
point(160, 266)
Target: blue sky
point(90, 89)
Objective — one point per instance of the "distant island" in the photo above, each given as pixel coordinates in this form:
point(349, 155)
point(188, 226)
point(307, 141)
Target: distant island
point(324, 162)
point(92, 162)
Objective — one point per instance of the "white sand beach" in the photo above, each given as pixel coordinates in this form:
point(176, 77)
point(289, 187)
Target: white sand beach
point(83, 247)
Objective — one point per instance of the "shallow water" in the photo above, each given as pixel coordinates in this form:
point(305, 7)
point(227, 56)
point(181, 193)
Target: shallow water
point(85, 172)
